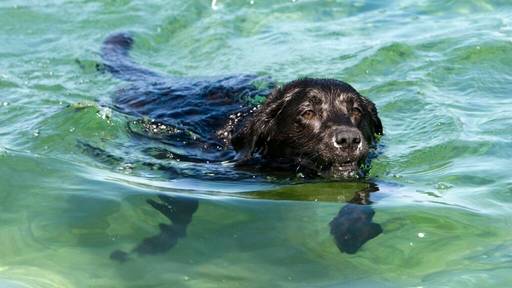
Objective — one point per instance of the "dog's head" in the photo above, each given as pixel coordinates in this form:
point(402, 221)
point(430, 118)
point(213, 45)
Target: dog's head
point(319, 125)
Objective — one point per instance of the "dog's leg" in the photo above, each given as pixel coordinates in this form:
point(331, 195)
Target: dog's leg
point(352, 227)
point(179, 211)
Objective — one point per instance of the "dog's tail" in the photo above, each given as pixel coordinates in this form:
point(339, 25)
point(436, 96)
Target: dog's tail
point(116, 59)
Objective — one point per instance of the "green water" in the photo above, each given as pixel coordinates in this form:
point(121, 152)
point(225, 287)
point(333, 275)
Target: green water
point(439, 71)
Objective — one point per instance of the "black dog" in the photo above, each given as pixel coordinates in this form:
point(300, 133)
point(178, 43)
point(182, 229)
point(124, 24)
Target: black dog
point(315, 127)
point(320, 126)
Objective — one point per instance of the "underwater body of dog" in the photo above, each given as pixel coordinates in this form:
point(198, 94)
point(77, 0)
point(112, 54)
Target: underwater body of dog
point(308, 127)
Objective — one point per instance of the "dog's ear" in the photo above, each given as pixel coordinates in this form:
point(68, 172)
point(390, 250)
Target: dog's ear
point(260, 128)
point(248, 140)
point(374, 117)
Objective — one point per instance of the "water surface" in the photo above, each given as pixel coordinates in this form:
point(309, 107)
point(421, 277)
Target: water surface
point(439, 72)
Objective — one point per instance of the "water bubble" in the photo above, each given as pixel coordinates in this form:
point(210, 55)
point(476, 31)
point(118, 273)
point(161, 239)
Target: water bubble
point(252, 2)
point(127, 168)
point(36, 133)
point(5, 104)
point(105, 113)
point(443, 186)
point(72, 129)
point(421, 235)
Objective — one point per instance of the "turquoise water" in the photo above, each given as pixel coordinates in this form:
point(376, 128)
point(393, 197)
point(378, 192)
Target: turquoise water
point(440, 74)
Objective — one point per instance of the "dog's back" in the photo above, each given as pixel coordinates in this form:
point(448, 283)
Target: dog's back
point(199, 106)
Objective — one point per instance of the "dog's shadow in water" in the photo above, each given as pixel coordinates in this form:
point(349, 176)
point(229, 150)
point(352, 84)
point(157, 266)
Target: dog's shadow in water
point(351, 228)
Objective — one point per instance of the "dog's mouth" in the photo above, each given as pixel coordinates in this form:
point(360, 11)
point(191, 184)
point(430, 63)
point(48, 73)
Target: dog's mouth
point(338, 170)
point(342, 170)
point(347, 170)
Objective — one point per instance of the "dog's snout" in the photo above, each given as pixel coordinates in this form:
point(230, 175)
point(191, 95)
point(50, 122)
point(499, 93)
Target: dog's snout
point(347, 138)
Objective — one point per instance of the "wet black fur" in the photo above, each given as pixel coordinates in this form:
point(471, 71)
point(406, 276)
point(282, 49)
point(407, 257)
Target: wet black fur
point(274, 134)
point(212, 121)
point(277, 132)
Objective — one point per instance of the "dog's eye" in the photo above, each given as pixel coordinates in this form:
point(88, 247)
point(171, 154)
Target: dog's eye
point(356, 111)
point(308, 114)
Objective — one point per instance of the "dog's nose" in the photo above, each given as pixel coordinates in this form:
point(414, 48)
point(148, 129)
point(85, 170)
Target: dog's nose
point(347, 138)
